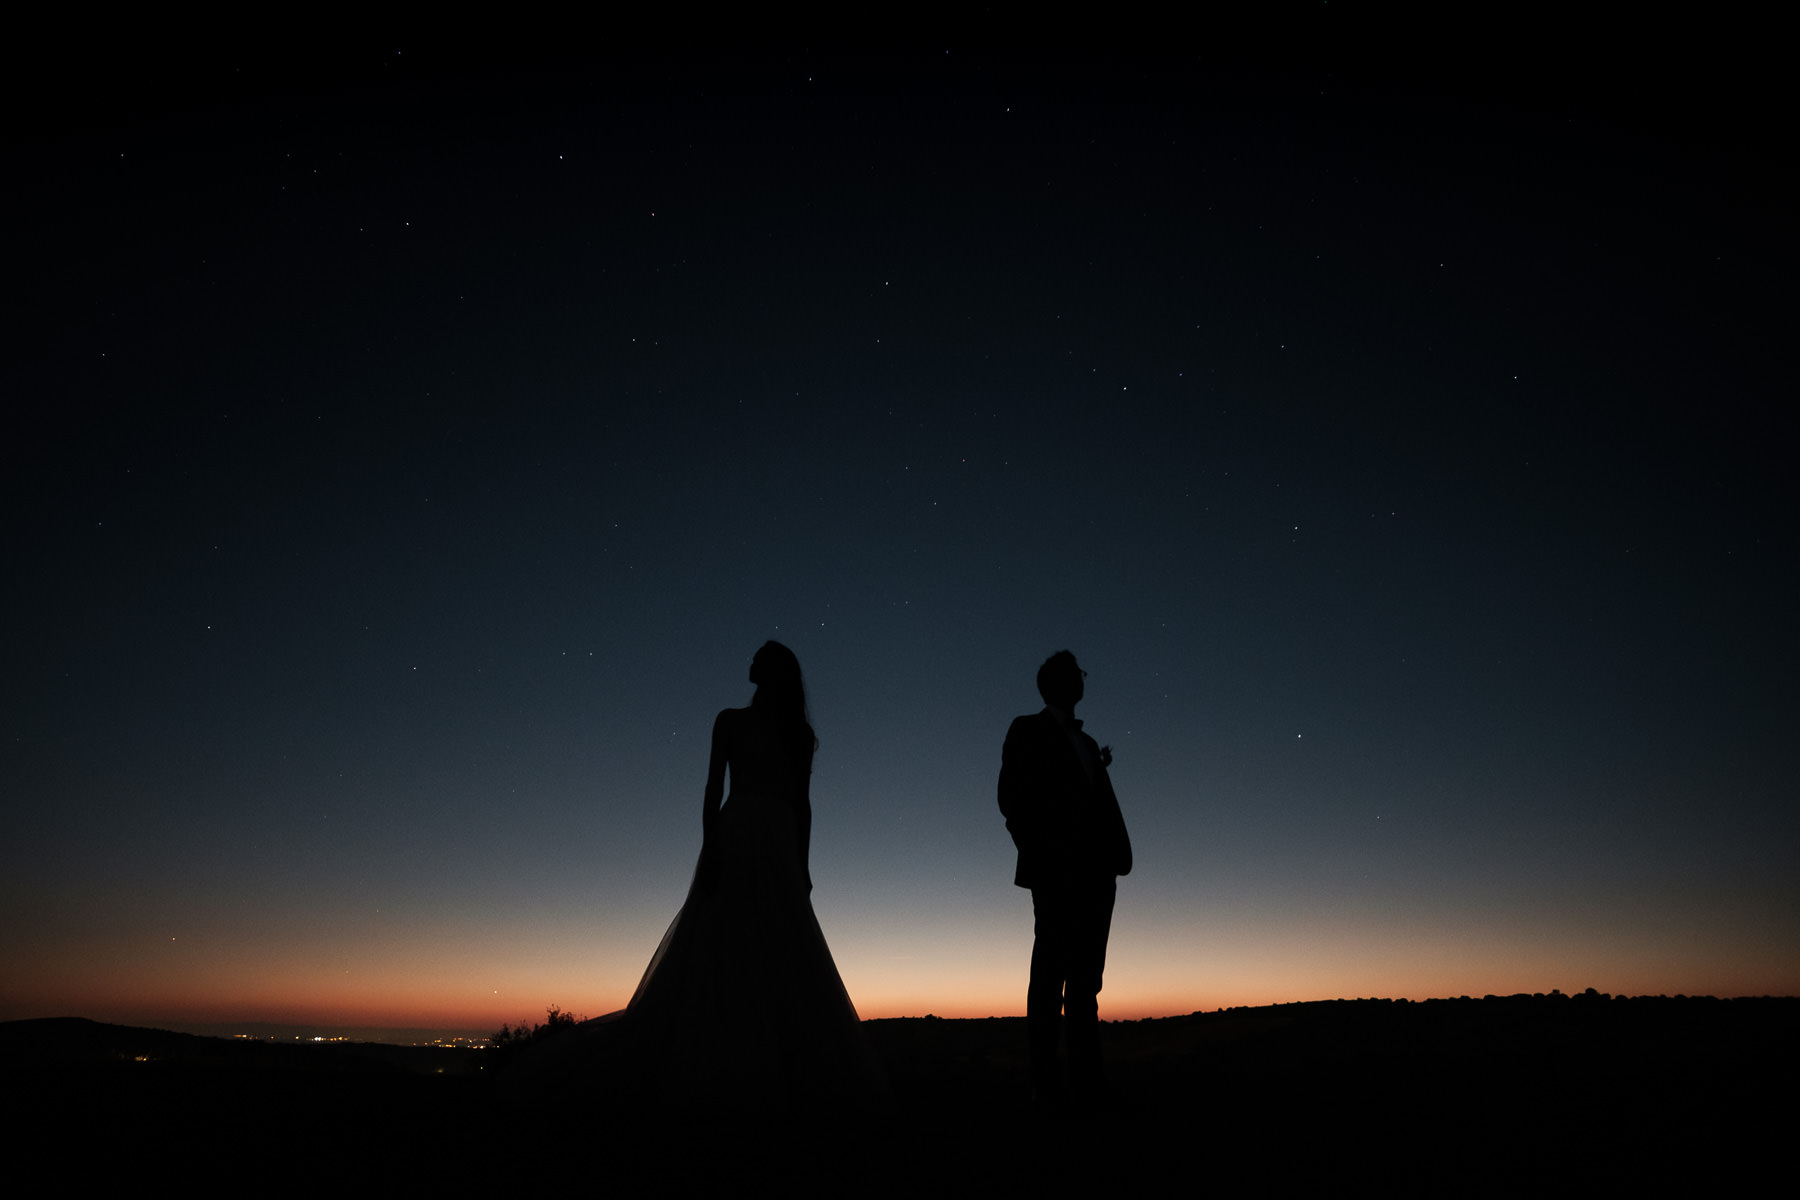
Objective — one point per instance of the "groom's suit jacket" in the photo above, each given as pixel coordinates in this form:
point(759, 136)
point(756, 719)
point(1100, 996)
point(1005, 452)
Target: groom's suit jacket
point(1067, 826)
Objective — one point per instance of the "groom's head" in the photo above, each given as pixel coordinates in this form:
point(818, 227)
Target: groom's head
point(1059, 681)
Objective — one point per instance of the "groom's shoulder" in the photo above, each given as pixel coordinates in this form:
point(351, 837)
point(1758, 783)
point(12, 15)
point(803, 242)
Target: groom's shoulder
point(1025, 725)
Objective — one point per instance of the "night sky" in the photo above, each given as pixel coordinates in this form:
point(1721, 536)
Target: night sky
point(405, 457)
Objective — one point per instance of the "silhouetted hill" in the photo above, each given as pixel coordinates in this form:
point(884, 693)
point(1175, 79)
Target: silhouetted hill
point(1547, 1092)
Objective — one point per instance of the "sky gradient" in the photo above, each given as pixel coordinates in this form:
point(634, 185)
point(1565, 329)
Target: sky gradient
point(408, 462)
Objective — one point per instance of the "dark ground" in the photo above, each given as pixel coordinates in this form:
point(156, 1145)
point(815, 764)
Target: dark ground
point(1496, 1096)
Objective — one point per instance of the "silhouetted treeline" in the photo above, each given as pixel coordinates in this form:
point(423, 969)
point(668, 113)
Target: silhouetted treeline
point(510, 1039)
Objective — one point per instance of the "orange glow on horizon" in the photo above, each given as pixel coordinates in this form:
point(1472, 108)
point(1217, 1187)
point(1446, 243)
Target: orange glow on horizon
point(474, 979)
point(404, 1009)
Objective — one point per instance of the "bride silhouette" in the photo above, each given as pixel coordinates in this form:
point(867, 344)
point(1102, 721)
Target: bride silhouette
point(741, 1004)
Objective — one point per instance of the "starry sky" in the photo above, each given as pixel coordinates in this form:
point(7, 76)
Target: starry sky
point(407, 454)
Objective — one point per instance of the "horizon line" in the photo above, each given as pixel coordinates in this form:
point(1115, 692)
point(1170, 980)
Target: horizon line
point(341, 1031)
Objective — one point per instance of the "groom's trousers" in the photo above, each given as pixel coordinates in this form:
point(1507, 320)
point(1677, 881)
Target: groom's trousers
point(1068, 955)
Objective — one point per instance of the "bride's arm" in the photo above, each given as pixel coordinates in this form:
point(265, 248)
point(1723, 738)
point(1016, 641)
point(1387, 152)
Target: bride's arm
point(715, 791)
point(715, 772)
point(803, 820)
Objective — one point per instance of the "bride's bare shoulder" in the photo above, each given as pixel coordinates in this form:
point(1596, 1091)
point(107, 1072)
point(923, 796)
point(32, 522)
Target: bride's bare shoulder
point(730, 720)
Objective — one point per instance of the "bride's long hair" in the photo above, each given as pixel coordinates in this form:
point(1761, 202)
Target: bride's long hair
point(780, 688)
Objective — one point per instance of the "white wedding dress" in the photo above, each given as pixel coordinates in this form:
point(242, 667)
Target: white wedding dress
point(741, 1006)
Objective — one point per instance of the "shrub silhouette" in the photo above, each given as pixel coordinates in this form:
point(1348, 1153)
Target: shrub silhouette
point(513, 1038)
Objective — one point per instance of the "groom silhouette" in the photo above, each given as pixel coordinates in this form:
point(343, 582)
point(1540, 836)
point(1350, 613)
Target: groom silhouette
point(1064, 818)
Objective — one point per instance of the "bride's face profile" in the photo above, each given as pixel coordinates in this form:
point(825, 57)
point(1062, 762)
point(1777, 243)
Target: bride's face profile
point(774, 666)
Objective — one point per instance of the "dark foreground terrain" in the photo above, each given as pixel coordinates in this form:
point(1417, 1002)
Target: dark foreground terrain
point(1498, 1096)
